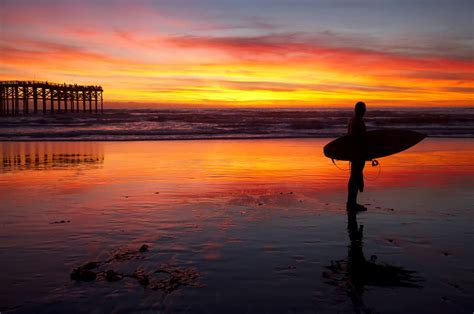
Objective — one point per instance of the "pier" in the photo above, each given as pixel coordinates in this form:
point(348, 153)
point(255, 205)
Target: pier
point(23, 97)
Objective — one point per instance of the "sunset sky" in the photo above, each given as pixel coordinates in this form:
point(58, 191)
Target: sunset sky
point(246, 53)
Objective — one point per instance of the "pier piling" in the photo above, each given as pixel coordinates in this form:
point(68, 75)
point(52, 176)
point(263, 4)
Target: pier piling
point(12, 92)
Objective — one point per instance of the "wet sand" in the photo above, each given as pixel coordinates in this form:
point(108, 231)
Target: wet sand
point(238, 226)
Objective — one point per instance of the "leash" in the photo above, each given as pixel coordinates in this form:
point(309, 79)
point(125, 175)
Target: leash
point(339, 167)
point(374, 163)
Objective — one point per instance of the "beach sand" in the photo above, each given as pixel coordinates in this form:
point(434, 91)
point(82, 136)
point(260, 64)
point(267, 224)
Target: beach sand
point(237, 226)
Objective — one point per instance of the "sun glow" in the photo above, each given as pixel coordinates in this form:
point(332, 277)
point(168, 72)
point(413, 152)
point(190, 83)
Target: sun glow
point(152, 58)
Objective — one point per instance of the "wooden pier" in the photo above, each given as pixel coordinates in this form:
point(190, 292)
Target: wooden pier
point(23, 97)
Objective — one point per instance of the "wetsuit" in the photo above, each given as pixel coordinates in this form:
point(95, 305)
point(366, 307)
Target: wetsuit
point(357, 128)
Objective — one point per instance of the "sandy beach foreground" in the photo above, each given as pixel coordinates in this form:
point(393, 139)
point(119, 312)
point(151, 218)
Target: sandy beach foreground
point(237, 226)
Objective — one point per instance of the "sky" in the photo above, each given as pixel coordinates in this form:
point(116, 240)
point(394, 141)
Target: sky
point(246, 53)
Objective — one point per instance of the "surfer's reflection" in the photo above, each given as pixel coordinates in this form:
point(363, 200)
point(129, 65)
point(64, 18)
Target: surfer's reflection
point(356, 272)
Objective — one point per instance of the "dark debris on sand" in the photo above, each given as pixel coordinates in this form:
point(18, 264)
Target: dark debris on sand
point(166, 278)
point(143, 248)
point(60, 222)
point(81, 274)
point(84, 272)
point(175, 277)
point(112, 275)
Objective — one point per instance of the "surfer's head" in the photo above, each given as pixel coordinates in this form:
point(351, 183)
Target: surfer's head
point(360, 109)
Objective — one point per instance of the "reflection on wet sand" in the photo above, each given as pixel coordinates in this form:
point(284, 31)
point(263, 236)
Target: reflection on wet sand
point(257, 220)
point(356, 272)
point(43, 155)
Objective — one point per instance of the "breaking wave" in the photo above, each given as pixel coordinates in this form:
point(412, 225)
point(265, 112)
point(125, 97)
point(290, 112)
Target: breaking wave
point(134, 124)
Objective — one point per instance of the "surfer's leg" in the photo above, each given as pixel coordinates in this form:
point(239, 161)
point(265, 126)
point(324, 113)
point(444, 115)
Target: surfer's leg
point(361, 175)
point(356, 183)
point(352, 185)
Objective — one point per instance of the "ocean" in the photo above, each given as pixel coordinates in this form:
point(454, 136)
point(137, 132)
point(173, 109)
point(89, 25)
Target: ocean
point(185, 124)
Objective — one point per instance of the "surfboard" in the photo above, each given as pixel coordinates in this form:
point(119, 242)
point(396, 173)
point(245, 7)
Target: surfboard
point(378, 143)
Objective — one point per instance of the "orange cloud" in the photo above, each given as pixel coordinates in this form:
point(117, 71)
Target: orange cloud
point(150, 64)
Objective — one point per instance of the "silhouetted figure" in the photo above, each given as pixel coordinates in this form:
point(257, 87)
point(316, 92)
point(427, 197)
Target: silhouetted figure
point(357, 129)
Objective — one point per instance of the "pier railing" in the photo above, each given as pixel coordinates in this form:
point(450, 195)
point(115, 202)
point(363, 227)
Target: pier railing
point(18, 97)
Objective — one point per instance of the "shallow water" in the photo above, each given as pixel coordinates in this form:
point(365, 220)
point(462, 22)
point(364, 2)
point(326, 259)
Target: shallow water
point(262, 223)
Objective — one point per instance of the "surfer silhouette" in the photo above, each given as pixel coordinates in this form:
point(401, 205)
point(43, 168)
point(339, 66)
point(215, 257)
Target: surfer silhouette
point(357, 129)
point(361, 145)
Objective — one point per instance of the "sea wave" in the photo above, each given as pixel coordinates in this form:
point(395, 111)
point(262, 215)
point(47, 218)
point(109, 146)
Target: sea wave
point(123, 125)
